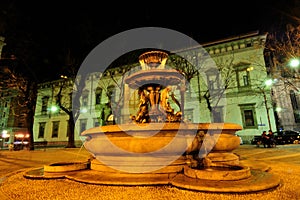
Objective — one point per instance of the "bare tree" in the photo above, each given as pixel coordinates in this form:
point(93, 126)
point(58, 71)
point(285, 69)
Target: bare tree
point(282, 49)
point(25, 88)
point(70, 91)
point(222, 75)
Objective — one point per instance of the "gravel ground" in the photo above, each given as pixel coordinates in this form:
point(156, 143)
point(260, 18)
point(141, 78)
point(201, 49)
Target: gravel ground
point(18, 187)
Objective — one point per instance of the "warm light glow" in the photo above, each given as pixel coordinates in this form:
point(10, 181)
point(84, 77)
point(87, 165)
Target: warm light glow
point(19, 135)
point(63, 76)
point(278, 109)
point(5, 134)
point(250, 69)
point(294, 62)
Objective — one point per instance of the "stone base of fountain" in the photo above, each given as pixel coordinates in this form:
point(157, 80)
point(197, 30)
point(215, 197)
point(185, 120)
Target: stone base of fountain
point(139, 165)
point(235, 179)
point(230, 173)
point(66, 166)
point(221, 172)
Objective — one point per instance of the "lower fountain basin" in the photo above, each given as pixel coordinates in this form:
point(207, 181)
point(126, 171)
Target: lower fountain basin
point(66, 166)
point(228, 173)
point(138, 148)
point(163, 137)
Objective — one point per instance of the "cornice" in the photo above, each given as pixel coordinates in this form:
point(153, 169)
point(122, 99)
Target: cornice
point(241, 42)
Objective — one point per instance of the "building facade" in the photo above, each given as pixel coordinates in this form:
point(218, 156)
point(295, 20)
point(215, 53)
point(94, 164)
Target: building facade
point(240, 72)
point(235, 91)
point(286, 99)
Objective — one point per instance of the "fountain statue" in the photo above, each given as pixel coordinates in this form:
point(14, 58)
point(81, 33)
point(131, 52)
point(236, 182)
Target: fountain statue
point(155, 95)
point(158, 146)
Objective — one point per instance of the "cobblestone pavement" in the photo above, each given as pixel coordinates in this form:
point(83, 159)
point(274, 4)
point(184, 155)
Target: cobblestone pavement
point(282, 161)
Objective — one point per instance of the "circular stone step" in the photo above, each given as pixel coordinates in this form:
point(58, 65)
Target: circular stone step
point(65, 166)
point(219, 173)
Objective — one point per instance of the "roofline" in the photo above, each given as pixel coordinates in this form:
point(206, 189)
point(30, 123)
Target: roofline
point(245, 35)
point(228, 39)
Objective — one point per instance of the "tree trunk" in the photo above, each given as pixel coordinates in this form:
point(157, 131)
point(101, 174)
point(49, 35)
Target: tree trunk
point(30, 120)
point(71, 126)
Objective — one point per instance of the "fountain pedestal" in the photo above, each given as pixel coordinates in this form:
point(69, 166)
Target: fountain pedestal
point(221, 154)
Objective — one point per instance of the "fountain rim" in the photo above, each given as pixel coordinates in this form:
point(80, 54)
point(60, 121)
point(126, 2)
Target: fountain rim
point(138, 79)
point(162, 126)
point(153, 52)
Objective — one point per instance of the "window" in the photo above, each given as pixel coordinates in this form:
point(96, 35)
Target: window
point(213, 79)
point(83, 123)
point(85, 100)
point(98, 95)
point(245, 80)
point(217, 114)
point(294, 100)
point(45, 105)
point(96, 122)
point(111, 93)
point(243, 76)
point(295, 106)
point(248, 115)
point(55, 127)
point(68, 129)
point(211, 85)
point(42, 126)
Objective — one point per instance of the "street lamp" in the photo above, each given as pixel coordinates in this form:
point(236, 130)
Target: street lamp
point(267, 83)
point(54, 109)
point(294, 62)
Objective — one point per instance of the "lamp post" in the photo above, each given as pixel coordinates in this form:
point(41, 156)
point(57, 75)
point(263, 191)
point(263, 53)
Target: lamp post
point(268, 82)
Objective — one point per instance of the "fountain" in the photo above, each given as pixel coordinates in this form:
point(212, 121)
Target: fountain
point(157, 146)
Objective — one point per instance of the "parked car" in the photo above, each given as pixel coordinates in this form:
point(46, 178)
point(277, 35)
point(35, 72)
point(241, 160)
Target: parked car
point(287, 136)
point(280, 137)
point(241, 140)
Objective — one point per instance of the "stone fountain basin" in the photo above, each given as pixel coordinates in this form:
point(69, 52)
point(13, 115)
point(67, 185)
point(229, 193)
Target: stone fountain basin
point(156, 147)
point(162, 137)
point(65, 166)
point(225, 173)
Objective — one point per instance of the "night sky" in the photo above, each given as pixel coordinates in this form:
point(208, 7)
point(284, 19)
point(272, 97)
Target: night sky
point(46, 29)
